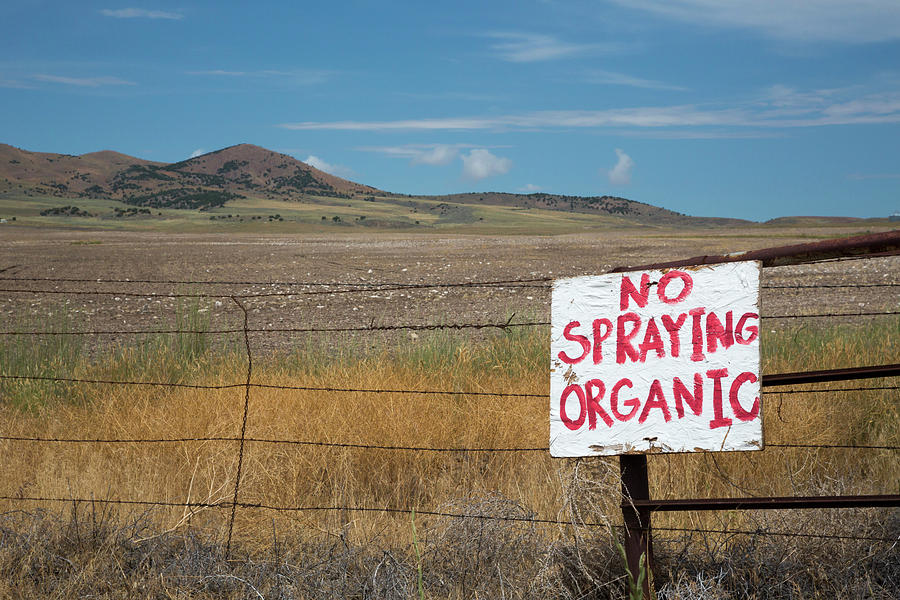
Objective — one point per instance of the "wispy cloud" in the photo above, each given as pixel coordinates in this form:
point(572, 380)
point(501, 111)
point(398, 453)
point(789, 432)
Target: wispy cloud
point(533, 47)
point(220, 73)
point(863, 21)
point(140, 13)
point(82, 81)
point(530, 188)
point(410, 124)
point(198, 152)
point(612, 78)
point(865, 176)
point(14, 84)
point(621, 173)
point(480, 163)
point(700, 134)
point(339, 170)
point(444, 96)
point(766, 113)
point(638, 117)
point(296, 76)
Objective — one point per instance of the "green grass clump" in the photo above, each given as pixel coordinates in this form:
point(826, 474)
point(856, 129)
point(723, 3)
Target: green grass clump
point(51, 356)
point(189, 355)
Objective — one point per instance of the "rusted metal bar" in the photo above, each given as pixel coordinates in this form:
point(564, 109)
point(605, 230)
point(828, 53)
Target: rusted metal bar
point(831, 375)
point(791, 502)
point(635, 490)
point(887, 242)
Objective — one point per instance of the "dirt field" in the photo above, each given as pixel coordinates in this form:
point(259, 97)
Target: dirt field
point(301, 263)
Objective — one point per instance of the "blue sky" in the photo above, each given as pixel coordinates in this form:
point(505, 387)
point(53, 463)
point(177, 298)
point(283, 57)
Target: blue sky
point(748, 108)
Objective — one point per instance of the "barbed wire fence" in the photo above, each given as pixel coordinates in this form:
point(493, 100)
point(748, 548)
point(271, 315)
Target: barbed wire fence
point(38, 286)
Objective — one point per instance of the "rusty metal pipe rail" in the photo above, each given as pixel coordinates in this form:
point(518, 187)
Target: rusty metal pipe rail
point(767, 502)
point(831, 375)
point(885, 244)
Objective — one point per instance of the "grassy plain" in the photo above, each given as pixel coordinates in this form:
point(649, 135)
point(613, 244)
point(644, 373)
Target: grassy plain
point(311, 214)
point(355, 215)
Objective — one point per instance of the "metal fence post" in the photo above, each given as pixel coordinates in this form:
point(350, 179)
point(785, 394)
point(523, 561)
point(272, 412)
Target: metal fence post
point(636, 486)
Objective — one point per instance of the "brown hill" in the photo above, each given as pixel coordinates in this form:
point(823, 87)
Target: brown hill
point(208, 180)
point(809, 221)
point(250, 167)
point(64, 174)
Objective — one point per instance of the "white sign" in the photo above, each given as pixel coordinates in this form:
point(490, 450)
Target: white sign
point(656, 361)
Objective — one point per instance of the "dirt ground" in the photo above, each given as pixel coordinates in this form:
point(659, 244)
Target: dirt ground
point(339, 281)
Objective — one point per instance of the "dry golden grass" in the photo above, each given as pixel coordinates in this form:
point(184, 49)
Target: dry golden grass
point(295, 475)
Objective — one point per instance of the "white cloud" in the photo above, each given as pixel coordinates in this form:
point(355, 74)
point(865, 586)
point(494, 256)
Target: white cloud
point(532, 47)
point(198, 152)
point(424, 154)
point(318, 163)
point(530, 188)
point(139, 13)
point(480, 163)
point(611, 78)
point(439, 155)
point(621, 173)
point(859, 21)
point(82, 81)
point(421, 154)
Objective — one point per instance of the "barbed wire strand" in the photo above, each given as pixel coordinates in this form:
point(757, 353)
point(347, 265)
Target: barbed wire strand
point(363, 446)
point(539, 283)
point(832, 446)
point(540, 395)
point(543, 395)
point(435, 513)
point(283, 283)
point(251, 295)
point(278, 387)
point(125, 332)
point(372, 327)
point(765, 532)
point(375, 285)
point(120, 382)
point(846, 389)
point(248, 296)
point(510, 285)
point(814, 286)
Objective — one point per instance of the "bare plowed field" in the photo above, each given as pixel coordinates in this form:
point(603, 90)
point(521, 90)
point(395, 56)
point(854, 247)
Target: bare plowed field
point(337, 281)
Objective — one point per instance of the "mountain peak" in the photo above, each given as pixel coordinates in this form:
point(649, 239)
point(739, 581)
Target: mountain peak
point(255, 168)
